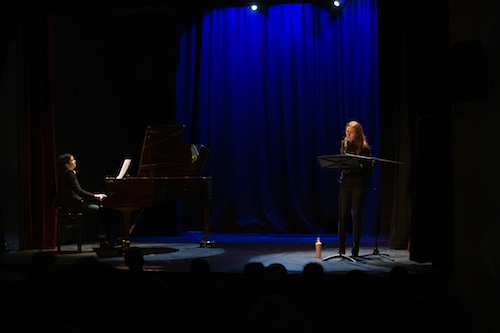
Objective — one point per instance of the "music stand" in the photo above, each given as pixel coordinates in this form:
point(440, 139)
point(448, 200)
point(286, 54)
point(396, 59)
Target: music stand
point(339, 163)
point(350, 161)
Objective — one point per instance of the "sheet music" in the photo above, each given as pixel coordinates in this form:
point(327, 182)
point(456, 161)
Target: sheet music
point(124, 168)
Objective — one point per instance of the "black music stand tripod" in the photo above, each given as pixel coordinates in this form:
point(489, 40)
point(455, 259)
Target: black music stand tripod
point(338, 163)
point(376, 252)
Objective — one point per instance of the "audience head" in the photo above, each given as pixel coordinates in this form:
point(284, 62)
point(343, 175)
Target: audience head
point(134, 259)
point(199, 269)
point(254, 270)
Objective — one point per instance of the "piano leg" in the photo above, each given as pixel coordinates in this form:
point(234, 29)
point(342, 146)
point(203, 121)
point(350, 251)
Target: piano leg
point(206, 220)
point(126, 211)
point(126, 226)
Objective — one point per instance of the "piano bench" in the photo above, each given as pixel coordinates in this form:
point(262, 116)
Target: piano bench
point(69, 219)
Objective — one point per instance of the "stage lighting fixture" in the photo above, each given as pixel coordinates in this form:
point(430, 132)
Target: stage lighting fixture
point(338, 3)
point(254, 7)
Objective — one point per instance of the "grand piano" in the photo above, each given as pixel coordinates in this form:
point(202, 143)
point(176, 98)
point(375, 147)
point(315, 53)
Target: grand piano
point(168, 169)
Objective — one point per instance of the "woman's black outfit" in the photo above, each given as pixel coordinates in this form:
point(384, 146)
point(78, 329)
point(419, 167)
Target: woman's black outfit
point(353, 184)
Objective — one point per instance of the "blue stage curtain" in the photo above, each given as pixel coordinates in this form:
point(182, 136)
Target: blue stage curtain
point(267, 94)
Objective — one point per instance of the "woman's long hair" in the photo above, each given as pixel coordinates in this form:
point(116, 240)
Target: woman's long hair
point(359, 141)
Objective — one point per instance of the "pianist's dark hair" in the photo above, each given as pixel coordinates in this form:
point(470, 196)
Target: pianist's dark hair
point(63, 159)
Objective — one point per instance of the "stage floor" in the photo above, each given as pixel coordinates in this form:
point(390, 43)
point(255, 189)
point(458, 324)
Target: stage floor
point(230, 253)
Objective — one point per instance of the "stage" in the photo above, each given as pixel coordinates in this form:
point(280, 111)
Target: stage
point(230, 253)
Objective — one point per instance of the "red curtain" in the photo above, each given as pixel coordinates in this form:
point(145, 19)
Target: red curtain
point(37, 131)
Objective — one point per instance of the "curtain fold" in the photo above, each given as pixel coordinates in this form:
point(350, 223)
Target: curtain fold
point(268, 93)
point(38, 137)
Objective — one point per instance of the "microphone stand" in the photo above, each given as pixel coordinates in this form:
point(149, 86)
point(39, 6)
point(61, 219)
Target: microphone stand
point(376, 252)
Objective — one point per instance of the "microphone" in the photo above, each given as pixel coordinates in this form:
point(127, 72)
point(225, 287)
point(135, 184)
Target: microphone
point(349, 144)
point(343, 147)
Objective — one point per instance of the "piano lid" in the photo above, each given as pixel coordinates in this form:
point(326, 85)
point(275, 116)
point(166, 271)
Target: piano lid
point(163, 154)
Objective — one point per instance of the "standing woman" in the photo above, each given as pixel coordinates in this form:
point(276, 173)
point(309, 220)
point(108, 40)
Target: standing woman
point(353, 184)
point(70, 195)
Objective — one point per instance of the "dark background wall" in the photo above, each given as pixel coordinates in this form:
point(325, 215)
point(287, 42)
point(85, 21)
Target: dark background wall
point(115, 74)
point(476, 169)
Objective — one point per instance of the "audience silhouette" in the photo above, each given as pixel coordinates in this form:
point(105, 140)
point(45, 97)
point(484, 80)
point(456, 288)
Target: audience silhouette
point(91, 296)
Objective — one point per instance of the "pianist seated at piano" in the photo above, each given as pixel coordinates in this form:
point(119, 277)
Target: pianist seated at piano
point(71, 196)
